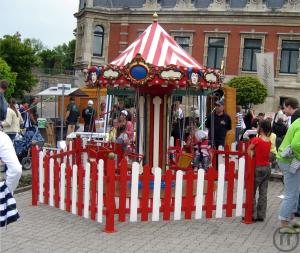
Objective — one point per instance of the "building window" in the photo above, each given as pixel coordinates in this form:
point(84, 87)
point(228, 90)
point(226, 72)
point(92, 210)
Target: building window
point(289, 56)
point(183, 41)
point(98, 41)
point(215, 53)
point(251, 47)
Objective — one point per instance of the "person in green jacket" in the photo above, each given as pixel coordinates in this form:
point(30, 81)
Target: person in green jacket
point(288, 158)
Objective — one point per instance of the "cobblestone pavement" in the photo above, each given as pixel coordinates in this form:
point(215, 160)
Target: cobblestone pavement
point(46, 229)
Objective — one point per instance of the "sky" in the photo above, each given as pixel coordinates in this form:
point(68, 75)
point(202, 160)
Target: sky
point(50, 21)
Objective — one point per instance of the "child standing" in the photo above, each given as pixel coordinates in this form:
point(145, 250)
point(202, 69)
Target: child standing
point(205, 152)
point(260, 148)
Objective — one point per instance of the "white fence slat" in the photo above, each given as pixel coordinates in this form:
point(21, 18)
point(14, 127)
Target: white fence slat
point(62, 186)
point(100, 191)
point(74, 189)
point(65, 159)
point(86, 190)
point(178, 195)
point(41, 177)
point(172, 141)
point(199, 196)
point(156, 194)
point(240, 188)
point(85, 158)
point(51, 183)
point(134, 191)
point(221, 157)
point(220, 191)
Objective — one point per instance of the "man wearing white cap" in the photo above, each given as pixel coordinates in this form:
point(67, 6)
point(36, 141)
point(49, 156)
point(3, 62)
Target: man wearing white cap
point(88, 115)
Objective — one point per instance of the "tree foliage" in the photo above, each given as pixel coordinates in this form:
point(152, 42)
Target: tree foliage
point(21, 57)
point(249, 90)
point(58, 58)
point(5, 73)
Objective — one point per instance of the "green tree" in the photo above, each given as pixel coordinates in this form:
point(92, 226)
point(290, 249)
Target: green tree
point(249, 90)
point(5, 73)
point(59, 58)
point(21, 57)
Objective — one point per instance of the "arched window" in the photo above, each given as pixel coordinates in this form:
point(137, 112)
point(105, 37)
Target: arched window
point(98, 41)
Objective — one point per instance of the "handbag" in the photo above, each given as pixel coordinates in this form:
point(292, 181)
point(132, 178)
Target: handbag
point(294, 166)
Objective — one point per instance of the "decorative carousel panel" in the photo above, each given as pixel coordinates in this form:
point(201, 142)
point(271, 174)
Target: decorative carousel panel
point(171, 73)
point(211, 76)
point(110, 73)
point(138, 72)
point(91, 75)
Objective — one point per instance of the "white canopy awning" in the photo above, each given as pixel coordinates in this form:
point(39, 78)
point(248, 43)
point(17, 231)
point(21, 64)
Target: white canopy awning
point(57, 91)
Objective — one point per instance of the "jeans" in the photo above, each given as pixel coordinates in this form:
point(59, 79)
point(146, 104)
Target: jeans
point(291, 192)
point(262, 175)
point(298, 207)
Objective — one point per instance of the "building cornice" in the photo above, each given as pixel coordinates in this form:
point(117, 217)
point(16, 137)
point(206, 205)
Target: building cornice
point(194, 17)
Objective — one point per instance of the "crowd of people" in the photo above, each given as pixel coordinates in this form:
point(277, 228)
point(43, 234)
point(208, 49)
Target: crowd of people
point(121, 122)
point(275, 145)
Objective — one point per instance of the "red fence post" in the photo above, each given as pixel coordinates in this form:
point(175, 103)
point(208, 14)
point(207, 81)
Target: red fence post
point(56, 183)
point(68, 186)
point(230, 188)
point(145, 193)
point(210, 191)
point(249, 182)
point(80, 190)
point(93, 199)
point(35, 173)
point(167, 196)
point(122, 192)
point(78, 150)
point(46, 179)
point(189, 199)
point(110, 197)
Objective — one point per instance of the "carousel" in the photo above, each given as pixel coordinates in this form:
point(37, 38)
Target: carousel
point(155, 71)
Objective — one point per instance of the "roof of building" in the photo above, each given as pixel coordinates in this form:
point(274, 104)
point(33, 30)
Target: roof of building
point(157, 47)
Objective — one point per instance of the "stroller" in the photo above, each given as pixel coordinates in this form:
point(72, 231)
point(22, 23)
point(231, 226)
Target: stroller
point(22, 144)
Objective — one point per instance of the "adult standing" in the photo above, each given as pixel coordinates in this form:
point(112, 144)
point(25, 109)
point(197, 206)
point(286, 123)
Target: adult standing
point(240, 125)
point(292, 110)
point(72, 115)
point(279, 128)
point(11, 125)
point(33, 111)
point(3, 103)
point(291, 175)
point(88, 115)
point(218, 123)
point(9, 212)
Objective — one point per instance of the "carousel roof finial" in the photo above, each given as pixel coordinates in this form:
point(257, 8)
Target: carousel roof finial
point(155, 17)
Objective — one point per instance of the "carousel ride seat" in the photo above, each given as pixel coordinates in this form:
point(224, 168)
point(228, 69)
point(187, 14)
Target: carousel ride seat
point(179, 159)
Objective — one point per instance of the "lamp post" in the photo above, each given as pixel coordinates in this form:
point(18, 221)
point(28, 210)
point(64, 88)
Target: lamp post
point(62, 112)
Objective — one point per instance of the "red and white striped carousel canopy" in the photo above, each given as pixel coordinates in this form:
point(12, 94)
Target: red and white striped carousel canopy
point(157, 47)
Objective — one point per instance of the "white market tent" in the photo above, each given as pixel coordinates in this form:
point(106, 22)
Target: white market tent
point(62, 89)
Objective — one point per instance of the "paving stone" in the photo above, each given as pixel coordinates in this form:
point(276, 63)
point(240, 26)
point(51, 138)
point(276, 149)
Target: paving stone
point(47, 229)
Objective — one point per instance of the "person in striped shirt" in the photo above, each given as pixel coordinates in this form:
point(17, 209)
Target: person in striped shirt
point(240, 125)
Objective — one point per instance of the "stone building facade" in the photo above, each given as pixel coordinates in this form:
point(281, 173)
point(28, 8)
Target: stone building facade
point(211, 30)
